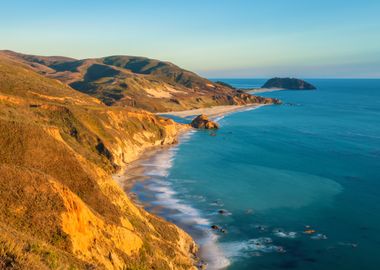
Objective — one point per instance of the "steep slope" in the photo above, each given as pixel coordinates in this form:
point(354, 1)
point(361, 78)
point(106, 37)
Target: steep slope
point(59, 206)
point(139, 82)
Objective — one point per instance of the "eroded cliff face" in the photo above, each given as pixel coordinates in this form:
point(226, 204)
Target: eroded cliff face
point(59, 206)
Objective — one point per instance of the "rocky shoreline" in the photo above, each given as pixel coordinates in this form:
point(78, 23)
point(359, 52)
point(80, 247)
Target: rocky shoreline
point(135, 173)
point(59, 150)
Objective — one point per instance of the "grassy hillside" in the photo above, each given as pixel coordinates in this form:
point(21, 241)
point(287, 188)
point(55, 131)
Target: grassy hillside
point(59, 206)
point(138, 82)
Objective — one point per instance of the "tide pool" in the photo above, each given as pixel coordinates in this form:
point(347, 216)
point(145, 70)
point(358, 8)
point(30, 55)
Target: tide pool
point(298, 184)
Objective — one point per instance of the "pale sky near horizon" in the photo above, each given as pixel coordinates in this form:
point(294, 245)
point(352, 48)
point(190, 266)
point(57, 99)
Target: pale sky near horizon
point(215, 38)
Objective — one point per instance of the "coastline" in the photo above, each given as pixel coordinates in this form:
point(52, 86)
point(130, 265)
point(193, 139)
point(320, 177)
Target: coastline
point(145, 182)
point(263, 90)
point(212, 112)
point(134, 171)
point(169, 200)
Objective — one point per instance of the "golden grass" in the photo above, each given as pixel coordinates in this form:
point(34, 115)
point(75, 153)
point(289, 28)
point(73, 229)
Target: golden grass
point(143, 83)
point(22, 251)
point(57, 197)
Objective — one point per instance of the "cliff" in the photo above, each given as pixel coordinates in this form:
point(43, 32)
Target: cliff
point(288, 83)
point(59, 206)
point(139, 82)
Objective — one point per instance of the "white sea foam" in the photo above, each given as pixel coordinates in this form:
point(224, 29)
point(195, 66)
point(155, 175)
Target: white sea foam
point(252, 247)
point(186, 136)
point(217, 119)
point(283, 234)
point(318, 236)
point(158, 168)
point(250, 109)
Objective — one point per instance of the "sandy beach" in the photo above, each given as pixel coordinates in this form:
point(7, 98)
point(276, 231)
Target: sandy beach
point(212, 112)
point(145, 181)
point(159, 198)
point(263, 90)
point(134, 171)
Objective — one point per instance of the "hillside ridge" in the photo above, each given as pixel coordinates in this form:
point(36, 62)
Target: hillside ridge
point(59, 206)
point(139, 82)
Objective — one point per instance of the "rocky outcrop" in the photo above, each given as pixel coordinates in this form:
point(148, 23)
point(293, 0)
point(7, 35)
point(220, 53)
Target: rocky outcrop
point(288, 83)
point(202, 121)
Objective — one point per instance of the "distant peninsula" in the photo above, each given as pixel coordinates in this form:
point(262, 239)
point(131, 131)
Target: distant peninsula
point(288, 83)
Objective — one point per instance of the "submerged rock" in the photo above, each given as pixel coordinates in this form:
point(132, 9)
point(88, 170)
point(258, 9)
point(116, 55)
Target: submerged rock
point(215, 227)
point(202, 121)
point(222, 212)
point(218, 228)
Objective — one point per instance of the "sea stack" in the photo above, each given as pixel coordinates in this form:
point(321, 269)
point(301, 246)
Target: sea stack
point(289, 84)
point(202, 121)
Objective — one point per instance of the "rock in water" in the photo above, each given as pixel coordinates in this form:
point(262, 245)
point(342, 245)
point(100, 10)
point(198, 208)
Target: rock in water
point(202, 121)
point(215, 227)
point(288, 83)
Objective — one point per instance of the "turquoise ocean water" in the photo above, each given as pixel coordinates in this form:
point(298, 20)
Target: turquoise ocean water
point(312, 163)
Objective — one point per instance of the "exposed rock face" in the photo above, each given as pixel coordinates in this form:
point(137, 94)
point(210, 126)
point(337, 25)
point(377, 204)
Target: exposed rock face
point(59, 206)
point(202, 121)
point(149, 84)
point(288, 83)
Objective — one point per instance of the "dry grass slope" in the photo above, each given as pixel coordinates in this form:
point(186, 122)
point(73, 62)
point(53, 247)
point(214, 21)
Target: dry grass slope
point(59, 206)
point(138, 82)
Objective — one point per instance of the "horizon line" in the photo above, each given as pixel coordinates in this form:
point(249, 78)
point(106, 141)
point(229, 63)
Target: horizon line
point(306, 78)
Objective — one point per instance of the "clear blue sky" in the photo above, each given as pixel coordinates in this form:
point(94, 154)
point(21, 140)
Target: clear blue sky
point(216, 38)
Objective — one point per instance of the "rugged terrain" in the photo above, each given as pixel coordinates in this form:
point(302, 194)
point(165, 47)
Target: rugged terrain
point(59, 206)
point(138, 82)
point(66, 126)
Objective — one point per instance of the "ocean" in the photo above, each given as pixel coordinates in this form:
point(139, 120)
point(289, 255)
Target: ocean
point(291, 186)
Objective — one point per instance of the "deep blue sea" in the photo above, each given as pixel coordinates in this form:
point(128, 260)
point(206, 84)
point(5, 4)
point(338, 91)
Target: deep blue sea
point(298, 183)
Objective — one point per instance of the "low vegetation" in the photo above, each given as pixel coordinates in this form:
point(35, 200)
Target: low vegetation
point(138, 82)
point(59, 206)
